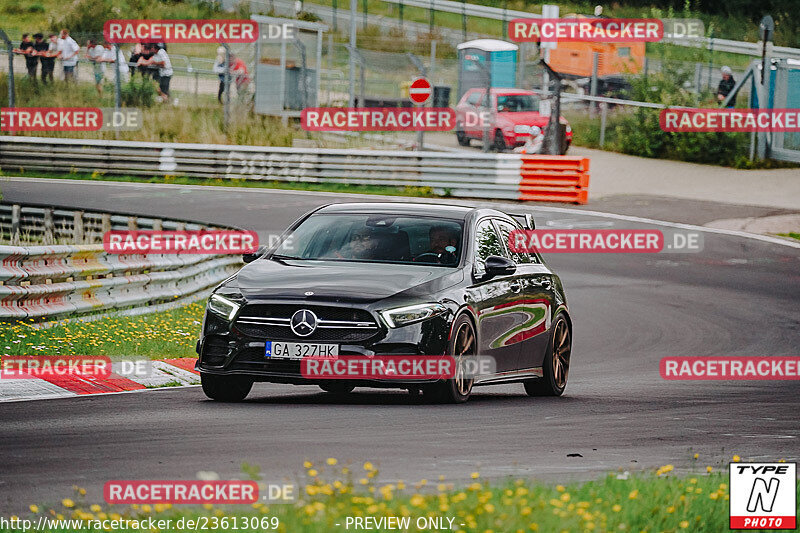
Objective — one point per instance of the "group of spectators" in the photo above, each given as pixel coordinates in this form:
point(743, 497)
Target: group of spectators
point(149, 59)
point(38, 51)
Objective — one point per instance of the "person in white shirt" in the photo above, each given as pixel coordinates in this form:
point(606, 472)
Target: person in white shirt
point(69, 54)
point(94, 54)
point(108, 57)
point(161, 60)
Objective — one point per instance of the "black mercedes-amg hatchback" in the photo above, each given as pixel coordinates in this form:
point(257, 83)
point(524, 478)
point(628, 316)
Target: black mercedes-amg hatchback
point(382, 279)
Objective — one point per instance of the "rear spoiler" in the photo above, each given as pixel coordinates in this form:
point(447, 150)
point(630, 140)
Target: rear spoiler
point(525, 220)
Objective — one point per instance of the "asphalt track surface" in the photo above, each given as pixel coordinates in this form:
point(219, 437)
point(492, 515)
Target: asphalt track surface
point(738, 296)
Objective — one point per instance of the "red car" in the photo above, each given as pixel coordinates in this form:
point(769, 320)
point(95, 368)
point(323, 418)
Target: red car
point(516, 110)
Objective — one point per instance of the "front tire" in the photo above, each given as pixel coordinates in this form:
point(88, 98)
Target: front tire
point(555, 367)
point(462, 138)
point(463, 343)
point(226, 388)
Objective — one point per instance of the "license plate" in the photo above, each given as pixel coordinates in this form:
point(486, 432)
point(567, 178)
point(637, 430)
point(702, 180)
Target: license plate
point(299, 350)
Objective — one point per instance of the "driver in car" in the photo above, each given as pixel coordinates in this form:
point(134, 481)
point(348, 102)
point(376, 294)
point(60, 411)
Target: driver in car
point(443, 241)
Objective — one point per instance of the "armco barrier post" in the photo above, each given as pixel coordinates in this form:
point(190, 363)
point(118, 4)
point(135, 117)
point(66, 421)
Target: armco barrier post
point(16, 212)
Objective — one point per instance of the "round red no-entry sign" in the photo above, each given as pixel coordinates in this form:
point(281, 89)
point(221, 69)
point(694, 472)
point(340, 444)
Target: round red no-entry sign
point(420, 91)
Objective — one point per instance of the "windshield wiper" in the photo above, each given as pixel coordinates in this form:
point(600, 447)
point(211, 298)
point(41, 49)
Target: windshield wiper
point(283, 257)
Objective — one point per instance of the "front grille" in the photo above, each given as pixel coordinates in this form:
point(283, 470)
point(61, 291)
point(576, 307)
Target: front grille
point(336, 324)
point(323, 312)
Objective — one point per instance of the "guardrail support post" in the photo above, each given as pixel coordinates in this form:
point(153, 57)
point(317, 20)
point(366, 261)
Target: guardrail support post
point(603, 115)
point(593, 85)
point(158, 224)
point(133, 224)
point(49, 227)
point(77, 227)
point(105, 223)
point(16, 212)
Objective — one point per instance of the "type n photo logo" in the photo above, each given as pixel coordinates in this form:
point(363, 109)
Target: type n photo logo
point(763, 495)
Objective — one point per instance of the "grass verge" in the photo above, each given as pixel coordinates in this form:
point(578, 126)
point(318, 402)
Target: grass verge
point(329, 494)
point(791, 234)
point(158, 335)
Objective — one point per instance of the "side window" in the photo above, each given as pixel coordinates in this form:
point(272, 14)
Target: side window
point(474, 98)
point(505, 229)
point(487, 243)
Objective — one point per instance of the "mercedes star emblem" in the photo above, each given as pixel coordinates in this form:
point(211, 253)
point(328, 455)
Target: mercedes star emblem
point(303, 323)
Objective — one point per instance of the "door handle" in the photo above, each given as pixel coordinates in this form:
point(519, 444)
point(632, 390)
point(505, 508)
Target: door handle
point(515, 286)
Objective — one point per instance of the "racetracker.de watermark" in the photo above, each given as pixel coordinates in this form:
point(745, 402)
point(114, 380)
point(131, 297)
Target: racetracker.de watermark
point(180, 492)
point(609, 30)
point(378, 119)
point(180, 242)
point(70, 119)
point(53, 366)
point(180, 31)
point(730, 368)
point(730, 120)
point(397, 367)
point(605, 241)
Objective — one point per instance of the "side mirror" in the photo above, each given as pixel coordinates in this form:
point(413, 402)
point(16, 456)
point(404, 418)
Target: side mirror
point(528, 217)
point(498, 266)
point(252, 256)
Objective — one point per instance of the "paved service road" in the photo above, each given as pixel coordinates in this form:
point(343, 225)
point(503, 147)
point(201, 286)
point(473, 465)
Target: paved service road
point(737, 297)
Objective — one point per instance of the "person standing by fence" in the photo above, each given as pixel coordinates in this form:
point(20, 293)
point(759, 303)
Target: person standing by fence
point(69, 54)
point(94, 54)
point(726, 85)
point(110, 57)
point(40, 47)
point(26, 48)
point(220, 66)
point(240, 76)
point(48, 58)
point(161, 60)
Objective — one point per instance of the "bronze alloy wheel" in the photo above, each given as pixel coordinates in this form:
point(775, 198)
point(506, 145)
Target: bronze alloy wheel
point(464, 346)
point(463, 343)
point(555, 368)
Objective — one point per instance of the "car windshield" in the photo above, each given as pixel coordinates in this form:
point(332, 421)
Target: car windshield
point(515, 103)
point(375, 238)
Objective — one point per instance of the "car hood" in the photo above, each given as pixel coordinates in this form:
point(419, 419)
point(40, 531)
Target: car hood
point(337, 281)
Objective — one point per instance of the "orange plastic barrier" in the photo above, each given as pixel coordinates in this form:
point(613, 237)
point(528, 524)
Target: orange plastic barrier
point(554, 178)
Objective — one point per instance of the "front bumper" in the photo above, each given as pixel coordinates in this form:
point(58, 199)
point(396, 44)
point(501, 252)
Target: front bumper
point(227, 349)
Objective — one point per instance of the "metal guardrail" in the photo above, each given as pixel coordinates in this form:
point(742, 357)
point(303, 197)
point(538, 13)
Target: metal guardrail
point(47, 225)
point(51, 281)
point(463, 174)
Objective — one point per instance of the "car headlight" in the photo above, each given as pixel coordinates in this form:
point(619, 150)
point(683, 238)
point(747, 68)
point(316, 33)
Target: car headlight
point(522, 128)
point(223, 307)
point(569, 128)
point(403, 316)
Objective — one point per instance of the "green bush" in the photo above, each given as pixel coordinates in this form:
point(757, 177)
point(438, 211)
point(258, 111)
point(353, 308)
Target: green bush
point(639, 133)
point(138, 92)
point(84, 17)
point(87, 16)
point(36, 8)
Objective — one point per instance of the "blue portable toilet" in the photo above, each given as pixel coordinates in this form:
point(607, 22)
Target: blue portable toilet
point(499, 56)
